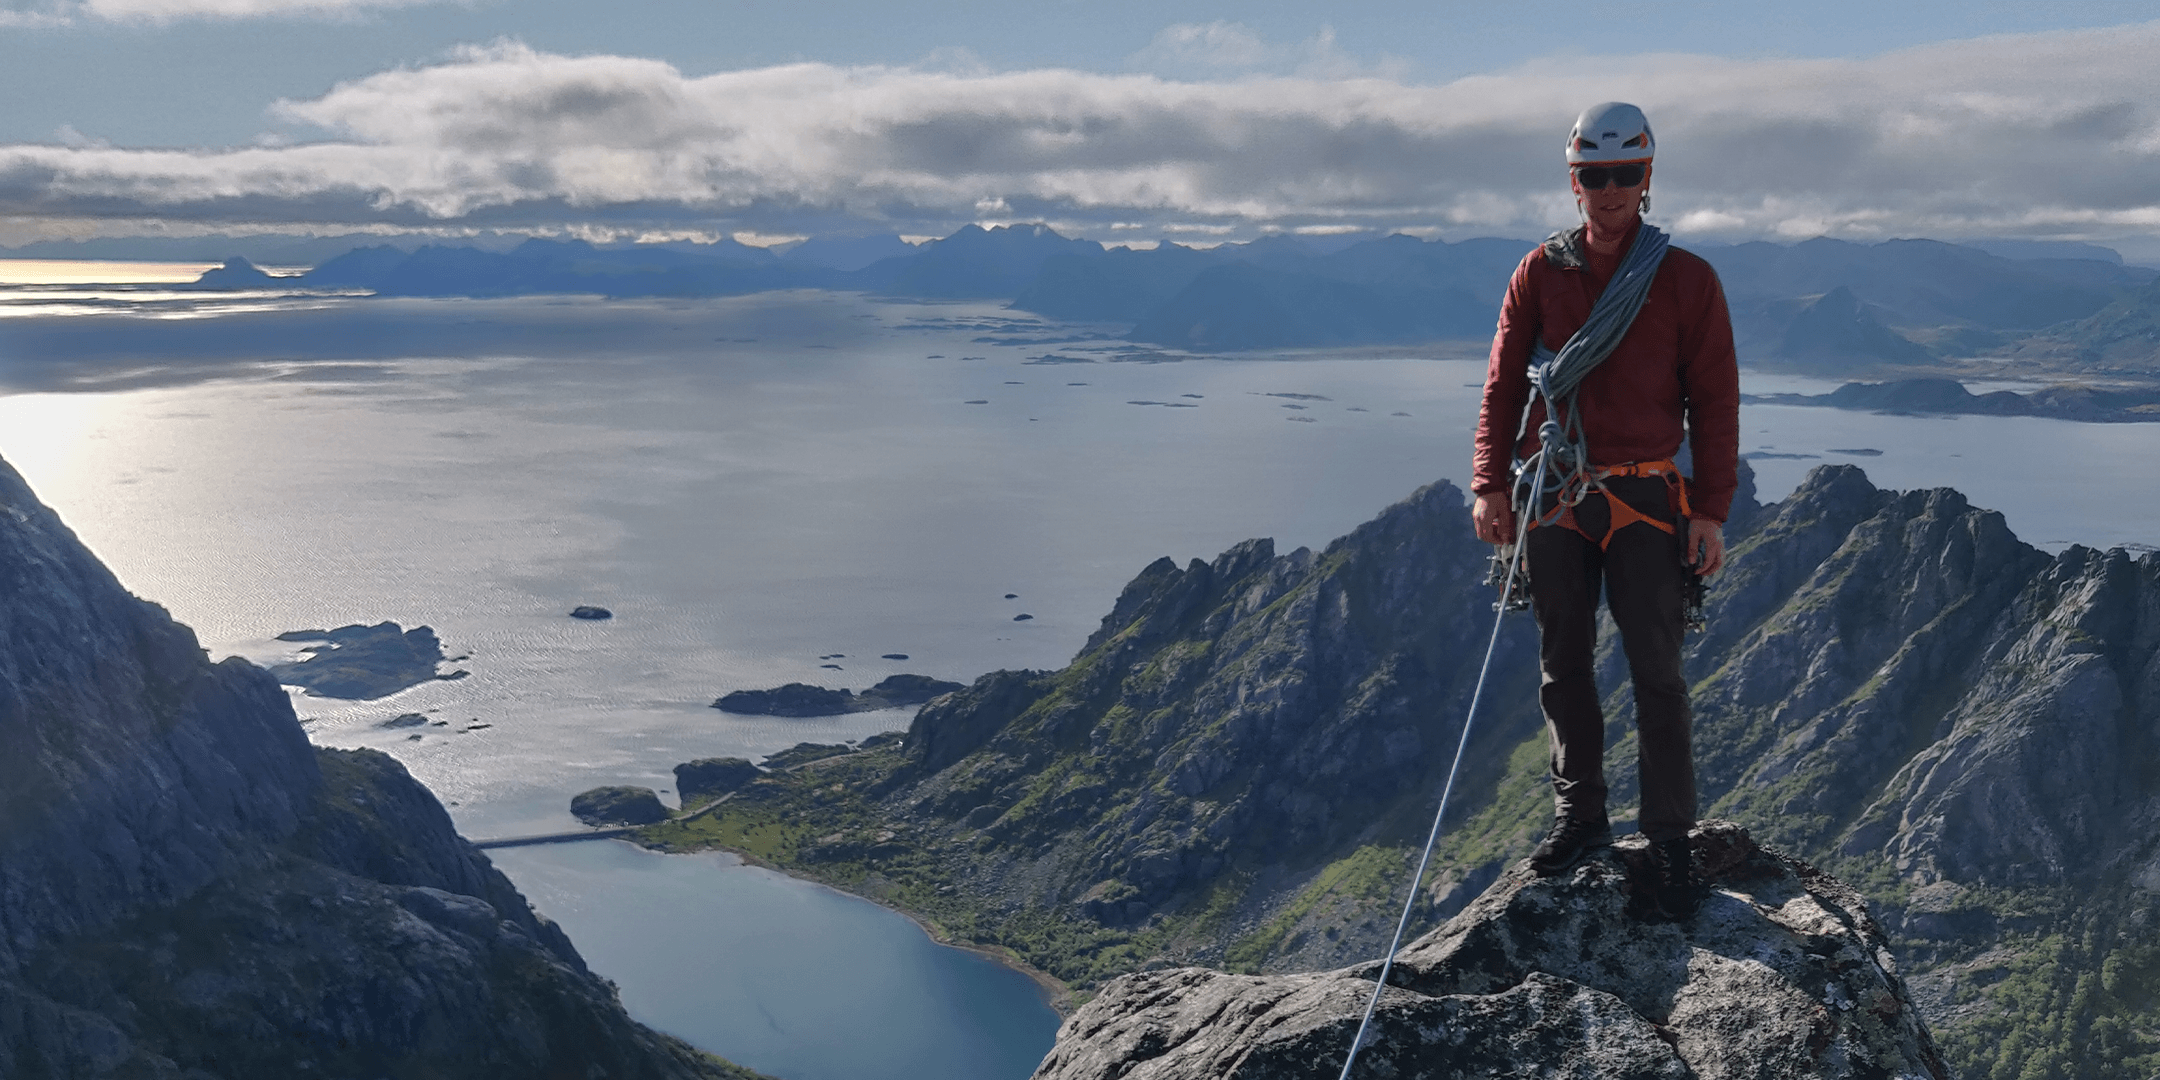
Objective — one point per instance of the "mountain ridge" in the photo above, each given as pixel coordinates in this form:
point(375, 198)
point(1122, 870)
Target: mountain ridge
point(190, 890)
point(1237, 767)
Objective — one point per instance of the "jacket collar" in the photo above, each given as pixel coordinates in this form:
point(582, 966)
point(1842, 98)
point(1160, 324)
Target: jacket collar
point(1564, 249)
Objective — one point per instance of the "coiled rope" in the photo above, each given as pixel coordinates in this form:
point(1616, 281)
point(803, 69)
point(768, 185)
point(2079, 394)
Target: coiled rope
point(1562, 458)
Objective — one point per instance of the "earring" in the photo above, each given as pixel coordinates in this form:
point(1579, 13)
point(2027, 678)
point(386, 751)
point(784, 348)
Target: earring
point(1644, 207)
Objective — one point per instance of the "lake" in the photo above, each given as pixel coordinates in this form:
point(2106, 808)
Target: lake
point(759, 487)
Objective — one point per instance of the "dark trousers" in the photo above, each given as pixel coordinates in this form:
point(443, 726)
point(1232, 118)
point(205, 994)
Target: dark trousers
point(1642, 579)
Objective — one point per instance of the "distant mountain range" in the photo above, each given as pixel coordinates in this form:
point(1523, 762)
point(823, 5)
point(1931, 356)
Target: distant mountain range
point(1825, 306)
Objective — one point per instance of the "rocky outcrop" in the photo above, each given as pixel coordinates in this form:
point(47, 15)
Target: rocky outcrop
point(804, 753)
point(188, 889)
point(363, 661)
point(710, 778)
point(619, 804)
point(803, 699)
point(1780, 974)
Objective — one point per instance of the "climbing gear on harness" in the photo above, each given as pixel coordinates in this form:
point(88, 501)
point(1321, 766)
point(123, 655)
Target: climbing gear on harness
point(1621, 514)
point(1513, 584)
point(1571, 838)
point(1555, 377)
point(1612, 133)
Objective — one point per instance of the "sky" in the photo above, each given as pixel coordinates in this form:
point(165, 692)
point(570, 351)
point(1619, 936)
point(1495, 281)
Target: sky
point(1119, 120)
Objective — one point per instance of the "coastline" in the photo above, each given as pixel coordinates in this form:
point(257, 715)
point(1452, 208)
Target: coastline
point(1061, 998)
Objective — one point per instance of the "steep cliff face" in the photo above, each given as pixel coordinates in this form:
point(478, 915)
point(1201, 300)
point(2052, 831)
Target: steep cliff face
point(188, 888)
point(1237, 768)
point(1258, 702)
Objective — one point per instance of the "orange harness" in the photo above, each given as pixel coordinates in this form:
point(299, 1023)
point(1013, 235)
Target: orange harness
point(1622, 515)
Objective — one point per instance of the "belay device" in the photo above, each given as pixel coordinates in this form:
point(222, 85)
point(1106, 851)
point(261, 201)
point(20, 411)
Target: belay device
point(1561, 465)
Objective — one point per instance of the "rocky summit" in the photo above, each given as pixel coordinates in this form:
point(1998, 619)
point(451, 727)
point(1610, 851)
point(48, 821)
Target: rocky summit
point(1780, 974)
point(190, 891)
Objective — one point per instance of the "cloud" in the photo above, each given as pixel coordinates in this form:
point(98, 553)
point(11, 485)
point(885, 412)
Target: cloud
point(15, 15)
point(2053, 134)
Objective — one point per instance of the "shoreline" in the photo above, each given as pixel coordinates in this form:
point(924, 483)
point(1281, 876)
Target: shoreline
point(1055, 994)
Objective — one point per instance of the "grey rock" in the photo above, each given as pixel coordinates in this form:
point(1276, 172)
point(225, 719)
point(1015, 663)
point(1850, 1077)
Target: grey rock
point(364, 662)
point(805, 753)
point(588, 611)
point(708, 778)
point(619, 805)
point(803, 699)
point(1781, 974)
point(188, 889)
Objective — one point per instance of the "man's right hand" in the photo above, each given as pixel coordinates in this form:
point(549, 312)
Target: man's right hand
point(1493, 518)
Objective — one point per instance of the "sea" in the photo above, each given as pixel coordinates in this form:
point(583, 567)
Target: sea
point(801, 486)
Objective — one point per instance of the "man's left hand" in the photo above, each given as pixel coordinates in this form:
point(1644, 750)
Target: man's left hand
point(1705, 545)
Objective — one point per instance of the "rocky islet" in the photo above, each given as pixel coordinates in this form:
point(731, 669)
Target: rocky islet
point(805, 700)
point(363, 662)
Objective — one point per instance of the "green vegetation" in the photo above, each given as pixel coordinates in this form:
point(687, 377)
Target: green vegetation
point(1371, 876)
point(2078, 1001)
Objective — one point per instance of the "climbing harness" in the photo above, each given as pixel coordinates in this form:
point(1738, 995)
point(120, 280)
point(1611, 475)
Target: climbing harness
point(1562, 460)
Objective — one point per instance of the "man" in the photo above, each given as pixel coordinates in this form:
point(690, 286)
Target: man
point(1673, 375)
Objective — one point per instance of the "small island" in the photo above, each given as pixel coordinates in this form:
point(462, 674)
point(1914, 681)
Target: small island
point(803, 699)
point(619, 805)
point(1950, 398)
point(588, 611)
point(363, 662)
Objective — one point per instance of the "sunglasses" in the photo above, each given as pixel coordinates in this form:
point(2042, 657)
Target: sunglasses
point(1595, 177)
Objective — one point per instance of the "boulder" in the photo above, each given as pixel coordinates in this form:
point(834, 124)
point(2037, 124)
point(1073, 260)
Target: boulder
point(1782, 973)
point(619, 805)
point(710, 778)
point(588, 611)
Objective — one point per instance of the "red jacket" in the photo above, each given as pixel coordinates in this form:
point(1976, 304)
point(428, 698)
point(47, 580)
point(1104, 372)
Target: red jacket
point(1674, 375)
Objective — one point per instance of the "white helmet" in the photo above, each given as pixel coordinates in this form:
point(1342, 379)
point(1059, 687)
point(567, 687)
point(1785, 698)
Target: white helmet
point(1614, 133)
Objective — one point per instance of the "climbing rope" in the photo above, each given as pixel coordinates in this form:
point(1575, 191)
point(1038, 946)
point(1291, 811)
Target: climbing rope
point(1563, 458)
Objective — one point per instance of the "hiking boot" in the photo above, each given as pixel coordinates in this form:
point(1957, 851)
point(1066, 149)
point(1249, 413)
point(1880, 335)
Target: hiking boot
point(1677, 893)
point(1570, 839)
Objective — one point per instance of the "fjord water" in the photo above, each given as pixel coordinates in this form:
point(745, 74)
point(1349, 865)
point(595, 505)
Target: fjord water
point(759, 488)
